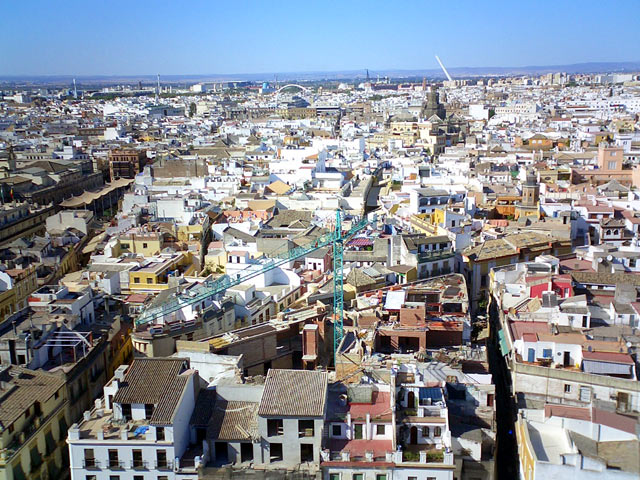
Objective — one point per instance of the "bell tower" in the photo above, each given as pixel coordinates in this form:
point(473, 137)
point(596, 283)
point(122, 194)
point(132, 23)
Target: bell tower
point(530, 191)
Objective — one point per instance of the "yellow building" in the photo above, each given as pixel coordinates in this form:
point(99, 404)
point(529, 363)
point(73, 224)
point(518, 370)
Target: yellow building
point(155, 275)
point(525, 450)
point(7, 303)
point(33, 425)
point(120, 346)
point(215, 260)
point(145, 243)
point(187, 233)
point(25, 281)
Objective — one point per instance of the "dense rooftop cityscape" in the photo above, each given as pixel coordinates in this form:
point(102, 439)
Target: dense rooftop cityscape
point(331, 276)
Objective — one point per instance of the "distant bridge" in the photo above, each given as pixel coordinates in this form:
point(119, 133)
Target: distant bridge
point(294, 85)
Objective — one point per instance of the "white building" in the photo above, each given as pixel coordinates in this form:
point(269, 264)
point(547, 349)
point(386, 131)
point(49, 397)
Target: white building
point(140, 429)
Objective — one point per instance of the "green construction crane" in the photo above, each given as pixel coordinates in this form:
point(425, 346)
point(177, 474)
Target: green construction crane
point(338, 285)
point(209, 289)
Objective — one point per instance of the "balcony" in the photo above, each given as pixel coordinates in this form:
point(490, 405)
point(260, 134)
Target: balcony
point(116, 465)
point(91, 464)
point(140, 465)
point(168, 466)
point(435, 255)
point(426, 454)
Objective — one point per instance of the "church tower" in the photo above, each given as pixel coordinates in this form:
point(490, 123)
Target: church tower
point(432, 105)
point(530, 191)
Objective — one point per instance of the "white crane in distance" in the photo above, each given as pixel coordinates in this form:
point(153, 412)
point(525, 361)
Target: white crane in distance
point(444, 69)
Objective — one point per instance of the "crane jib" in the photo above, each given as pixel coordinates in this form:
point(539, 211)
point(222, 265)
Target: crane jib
point(214, 287)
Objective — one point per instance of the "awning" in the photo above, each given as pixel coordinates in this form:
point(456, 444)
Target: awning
point(433, 393)
point(502, 340)
point(606, 368)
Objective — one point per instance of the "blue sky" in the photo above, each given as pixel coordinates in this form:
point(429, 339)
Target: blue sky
point(241, 36)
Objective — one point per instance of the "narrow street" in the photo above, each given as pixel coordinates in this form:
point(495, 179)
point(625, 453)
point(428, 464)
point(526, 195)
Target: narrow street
point(506, 455)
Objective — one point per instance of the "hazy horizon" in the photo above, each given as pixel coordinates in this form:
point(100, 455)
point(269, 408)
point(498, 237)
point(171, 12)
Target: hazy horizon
point(122, 38)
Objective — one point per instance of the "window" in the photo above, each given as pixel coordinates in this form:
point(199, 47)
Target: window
point(89, 459)
point(161, 459)
point(380, 429)
point(612, 165)
point(585, 394)
point(90, 477)
point(275, 427)
point(437, 432)
point(136, 280)
point(148, 410)
point(113, 459)
point(546, 353)
point(159, 433)
point(336, 430)
point(137, 459)
point(567, 388)
point(149, 281)
point(306, 452)
point(357, 476)
point(412, 478)
point(138, 477)
point(357, 431)
point(114, 477)
point(305, 428)
point(334, 476)
point(163, 477)
point(144, 245)
point(425, 431)
point(275, 452)
point(381, 476)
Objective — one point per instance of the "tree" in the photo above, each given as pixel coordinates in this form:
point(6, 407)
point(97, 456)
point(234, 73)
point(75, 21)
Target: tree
point(192, 109)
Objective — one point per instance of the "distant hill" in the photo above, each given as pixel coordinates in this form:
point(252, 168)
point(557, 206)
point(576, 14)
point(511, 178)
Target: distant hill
point(590, 67)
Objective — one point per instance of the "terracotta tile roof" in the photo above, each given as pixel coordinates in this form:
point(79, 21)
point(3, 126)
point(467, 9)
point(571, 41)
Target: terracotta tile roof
point(605, 278)
point(156, 381)
point(294, 393)
point(233, 420)
point(21, 389)
point(518, 329)
point(608, 357)
point(204, 408)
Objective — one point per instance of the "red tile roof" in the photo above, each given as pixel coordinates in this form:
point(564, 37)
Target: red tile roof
point(358, 448)
point(380, 410)
point(520, 328)
point(608, 357)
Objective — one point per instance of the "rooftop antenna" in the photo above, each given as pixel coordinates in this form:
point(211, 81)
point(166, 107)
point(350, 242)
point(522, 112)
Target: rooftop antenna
point(444, 69)
point(158, 91)
point(75, 90)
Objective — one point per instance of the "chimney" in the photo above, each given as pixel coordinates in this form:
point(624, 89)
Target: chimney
point(120, 372)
